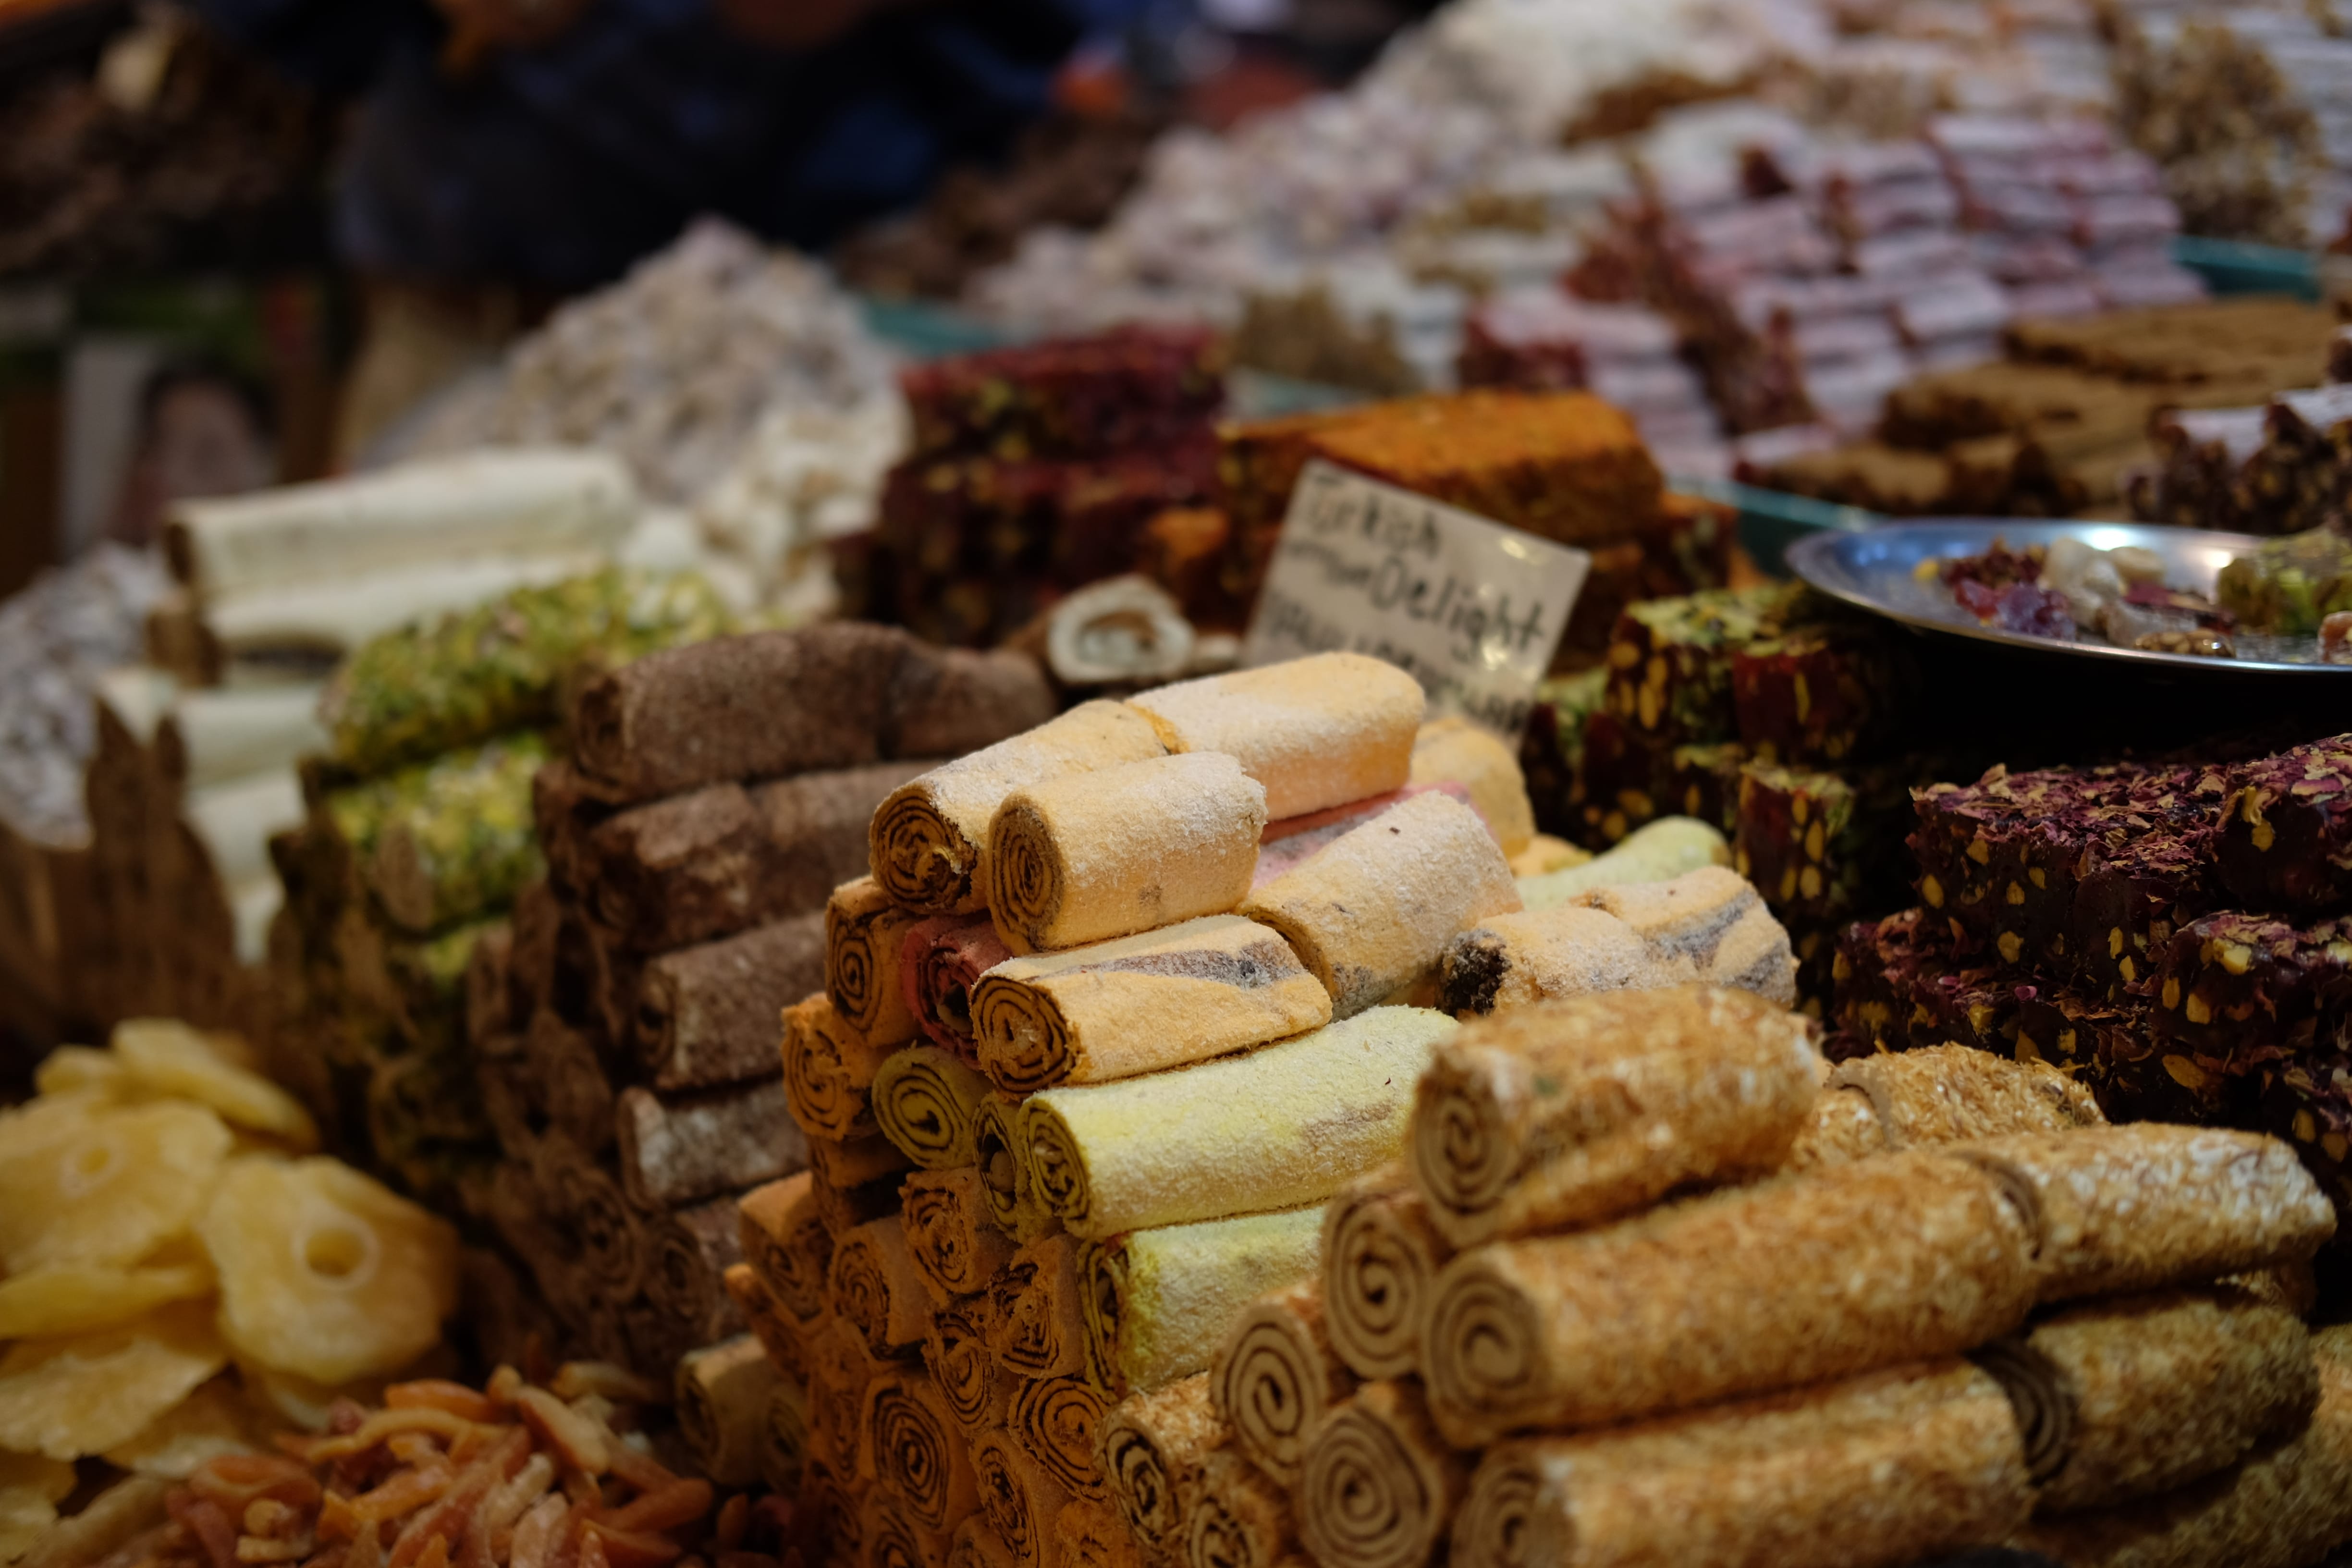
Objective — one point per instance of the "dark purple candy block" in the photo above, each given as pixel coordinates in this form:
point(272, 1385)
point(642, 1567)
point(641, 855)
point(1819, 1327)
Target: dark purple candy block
point(2286, 834)
point(2239, 991)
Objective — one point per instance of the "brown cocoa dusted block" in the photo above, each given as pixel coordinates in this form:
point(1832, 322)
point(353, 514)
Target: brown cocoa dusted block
point(2239, 991)
point(2286, 836)
point(702, 865)
point(707, 1015)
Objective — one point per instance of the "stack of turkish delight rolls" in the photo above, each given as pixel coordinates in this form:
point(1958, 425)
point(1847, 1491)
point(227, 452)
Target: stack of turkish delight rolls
point(1654, 1284)
point(1123, 1001)
point(709, 799)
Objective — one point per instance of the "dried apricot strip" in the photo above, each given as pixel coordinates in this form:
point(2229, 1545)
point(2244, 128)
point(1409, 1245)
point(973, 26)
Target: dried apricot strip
point(404, 1494)
point(665, 1508)
point(432, 1393)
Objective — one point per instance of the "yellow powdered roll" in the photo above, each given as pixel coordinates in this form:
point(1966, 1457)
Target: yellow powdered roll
point(1273, 1128)
point(929, 838)
point(1140, 1003)
point(1660, 852)
point(1318, 731)
point(1099, 855)
point(925, 1102)
point(1570, 1113)
point(1158, 1302)
point(1370, 913)
point(1455, 750)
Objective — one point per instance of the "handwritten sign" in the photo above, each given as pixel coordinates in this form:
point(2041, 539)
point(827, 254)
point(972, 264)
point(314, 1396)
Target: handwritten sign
point(1473, 609)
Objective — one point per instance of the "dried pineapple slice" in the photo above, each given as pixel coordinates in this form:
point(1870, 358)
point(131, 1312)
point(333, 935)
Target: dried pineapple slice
point(217, 1419)
point(31, 1487)
point(81, 1298)
point(82, 1069)
point(166, 1058)
point(325, 1273)
point(104, 1185)
point(69, 1397)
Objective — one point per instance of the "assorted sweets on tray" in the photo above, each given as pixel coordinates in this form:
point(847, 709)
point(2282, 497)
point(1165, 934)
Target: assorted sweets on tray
point(2288, 599)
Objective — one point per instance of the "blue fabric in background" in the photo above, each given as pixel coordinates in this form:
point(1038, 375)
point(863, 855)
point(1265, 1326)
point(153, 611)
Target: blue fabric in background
point(557, 167)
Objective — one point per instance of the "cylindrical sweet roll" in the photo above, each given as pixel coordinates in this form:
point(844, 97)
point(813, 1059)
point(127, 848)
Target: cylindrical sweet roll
point(1371, 914)
point(722, 1393)
point(1891, 1466)
point(1153, 1447)
point(2284, 1505)
point(943, 959)
point(1734, 1293)
point(1054, 1420)
point(975, 1390)
point(1379, 1486)
point(1318, 731)
point(863, 936)
point(1241, 1517)
point(1157, 1301)
point(877, 1289)
point(1092, 1536)
point(1950, 1094)
point(2137, 1207)
point(930, 836)
point(1277, 1377)
point(1455, 750)
point(1117, 1009)
point(1380, 1258)
point(2137, 1396)
point(1008, 1186)
point(920, 1457)
point(1570, 1113)
point(1120, 851)
point(954, 1245)
point(1037, 1328)
point(1021, 1499)
point(829, 1067)
point(1269, 1130)
point(924, 1101)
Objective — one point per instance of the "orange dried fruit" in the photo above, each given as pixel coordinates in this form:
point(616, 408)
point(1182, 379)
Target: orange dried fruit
point(324, 1273)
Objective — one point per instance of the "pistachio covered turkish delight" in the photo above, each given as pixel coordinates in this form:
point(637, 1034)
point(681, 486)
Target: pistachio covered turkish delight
point(2288, 586)
point(446, 840)
point(461, 678)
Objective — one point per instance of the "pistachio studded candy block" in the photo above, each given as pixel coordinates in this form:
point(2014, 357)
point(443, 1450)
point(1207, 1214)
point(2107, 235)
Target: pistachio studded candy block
point(1901, 983)
point(1703, 782)
point(2127, 908)
point(1551, 754)
point(2286, 834)
point(2308, 1101)
point(2003, 860)
point(1823, 695)
point(1822, 847)
point(1670, 660)
point(1623, 782)
point(2240, 991)
point(2135, 1073)
point(1070, 398)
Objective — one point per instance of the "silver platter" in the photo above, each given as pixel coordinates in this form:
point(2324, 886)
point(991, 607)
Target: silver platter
point(1875, 569)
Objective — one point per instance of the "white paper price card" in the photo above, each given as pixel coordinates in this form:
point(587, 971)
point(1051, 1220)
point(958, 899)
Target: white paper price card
point(1473, 609)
